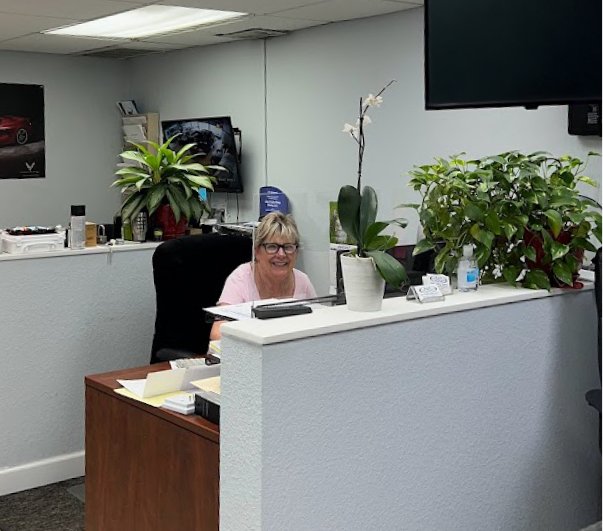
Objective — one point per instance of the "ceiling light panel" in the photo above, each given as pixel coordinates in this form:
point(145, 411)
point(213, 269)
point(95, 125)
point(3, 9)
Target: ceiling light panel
point(147, 21)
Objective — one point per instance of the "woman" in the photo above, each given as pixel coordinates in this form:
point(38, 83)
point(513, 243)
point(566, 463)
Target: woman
point(272, 274)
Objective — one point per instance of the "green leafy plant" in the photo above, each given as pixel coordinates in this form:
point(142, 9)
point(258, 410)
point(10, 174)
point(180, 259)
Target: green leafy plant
point(163, 177)
point(357, 208)
point(523, 213)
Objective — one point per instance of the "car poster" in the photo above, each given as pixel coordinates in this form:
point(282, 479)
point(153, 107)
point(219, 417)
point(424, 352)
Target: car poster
point(22, 149)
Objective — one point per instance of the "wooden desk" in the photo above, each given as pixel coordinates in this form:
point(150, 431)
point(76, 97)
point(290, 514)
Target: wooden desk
point(147, 469)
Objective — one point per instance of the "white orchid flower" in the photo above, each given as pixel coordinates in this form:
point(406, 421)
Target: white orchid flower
point(366, 120)
point(497, 271)
point(348, 128)
point(521, 276)
point(372, 101)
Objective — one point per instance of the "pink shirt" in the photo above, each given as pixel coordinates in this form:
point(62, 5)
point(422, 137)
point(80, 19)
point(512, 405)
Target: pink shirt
point(240, 286)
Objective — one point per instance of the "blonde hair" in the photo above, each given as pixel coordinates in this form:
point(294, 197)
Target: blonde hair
point(276, 224)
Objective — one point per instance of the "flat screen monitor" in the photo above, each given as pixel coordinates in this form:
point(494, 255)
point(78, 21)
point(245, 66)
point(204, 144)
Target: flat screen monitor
point(501, 53)
point(214, 145)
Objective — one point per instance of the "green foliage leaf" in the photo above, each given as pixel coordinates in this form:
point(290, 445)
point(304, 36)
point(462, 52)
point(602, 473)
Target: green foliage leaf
point(597, 233)
point(558, 250)
point(563, 273)
point(368, 209)
point(588, 180)
point(382, 243)
point(348, 208)
point(441, 259)
point(482, 254)
point(200, 180)
point(474, 212)
point(154, 199)
point(136, 157)
point(555, 221)
point(573, 263)
point(510, 230)
point(493, 222)
point(173, 205)
point(131, 206)
point(372, 231)
point(389, 268)
point(583, 243)
point(409, 205)
point(537, 278)
point(530, 253)
point(510, 274)
point(423, 246)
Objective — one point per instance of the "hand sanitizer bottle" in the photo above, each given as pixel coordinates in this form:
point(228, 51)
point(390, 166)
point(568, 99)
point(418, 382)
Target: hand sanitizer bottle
point(467, 271)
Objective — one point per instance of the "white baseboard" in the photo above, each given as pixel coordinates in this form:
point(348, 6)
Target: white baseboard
point(40, 473)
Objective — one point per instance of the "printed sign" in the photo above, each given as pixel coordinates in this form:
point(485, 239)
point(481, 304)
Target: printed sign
point(428, 293)
point(442, 281)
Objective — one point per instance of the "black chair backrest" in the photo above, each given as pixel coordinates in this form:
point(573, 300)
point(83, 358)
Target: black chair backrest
point(189, 275)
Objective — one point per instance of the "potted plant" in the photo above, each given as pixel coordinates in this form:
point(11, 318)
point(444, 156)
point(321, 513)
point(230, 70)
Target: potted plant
point(523, 213)
point(165, 184)
point(366, 270)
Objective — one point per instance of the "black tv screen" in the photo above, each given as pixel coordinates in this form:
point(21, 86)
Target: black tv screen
point(214, 145)
point(500, 53)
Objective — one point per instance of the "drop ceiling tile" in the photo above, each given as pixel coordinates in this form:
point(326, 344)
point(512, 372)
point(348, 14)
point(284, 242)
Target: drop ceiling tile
point(152, 46)
point(12, 26)
point(189, 38)
point(256, 7)
point(206, 36)
point(40, 43)
point(267, 22)
point(73, 9)
point(336, 10)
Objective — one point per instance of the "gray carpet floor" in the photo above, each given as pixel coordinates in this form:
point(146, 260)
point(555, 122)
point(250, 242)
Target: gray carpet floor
point(49, 508)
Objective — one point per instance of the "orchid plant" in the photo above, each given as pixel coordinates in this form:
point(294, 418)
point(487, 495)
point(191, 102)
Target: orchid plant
point(357, 206)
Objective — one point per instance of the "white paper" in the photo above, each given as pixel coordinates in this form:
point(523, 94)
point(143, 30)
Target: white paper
point(168, 381)
point(135, 132)
point(241, 312)
point(134, 386)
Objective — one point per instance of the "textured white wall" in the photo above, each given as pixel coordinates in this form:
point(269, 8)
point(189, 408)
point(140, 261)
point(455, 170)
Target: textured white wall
point(466, 421)
point(83, 138)
point(314, 80)
point(61, 319)
point(225, 80)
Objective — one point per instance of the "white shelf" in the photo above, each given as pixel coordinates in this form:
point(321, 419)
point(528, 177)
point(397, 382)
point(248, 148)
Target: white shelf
point(101, 249)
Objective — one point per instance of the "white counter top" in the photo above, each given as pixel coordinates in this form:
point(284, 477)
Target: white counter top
point(100, 249)
point(339, 318)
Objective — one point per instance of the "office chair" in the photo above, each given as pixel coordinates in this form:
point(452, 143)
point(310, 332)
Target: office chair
point(593, 397)
point(189, 275)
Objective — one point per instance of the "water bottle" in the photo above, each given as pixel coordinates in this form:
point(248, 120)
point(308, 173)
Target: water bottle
point(77, 230)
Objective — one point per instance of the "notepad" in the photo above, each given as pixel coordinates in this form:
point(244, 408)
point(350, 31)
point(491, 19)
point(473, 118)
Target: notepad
point(209, 384)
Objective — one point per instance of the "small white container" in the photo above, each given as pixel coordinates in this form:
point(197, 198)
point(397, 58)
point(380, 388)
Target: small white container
point(35, 243)
point(362, 284)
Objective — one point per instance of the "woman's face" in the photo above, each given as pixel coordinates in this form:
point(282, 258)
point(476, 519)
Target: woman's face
point(274, 260)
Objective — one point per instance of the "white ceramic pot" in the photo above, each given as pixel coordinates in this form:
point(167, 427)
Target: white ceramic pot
point(362, 284)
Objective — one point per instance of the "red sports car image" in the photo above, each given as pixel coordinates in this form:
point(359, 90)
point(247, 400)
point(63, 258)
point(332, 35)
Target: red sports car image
point(15, 130)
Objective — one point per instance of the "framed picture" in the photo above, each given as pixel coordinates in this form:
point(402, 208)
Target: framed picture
point(128, 107)
point(22, 146)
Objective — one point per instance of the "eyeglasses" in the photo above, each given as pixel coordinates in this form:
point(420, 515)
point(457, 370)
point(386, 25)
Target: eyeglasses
point(273, 248)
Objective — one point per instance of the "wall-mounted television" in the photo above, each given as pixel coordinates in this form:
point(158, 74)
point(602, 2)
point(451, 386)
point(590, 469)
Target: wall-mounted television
point(214, 145)
point(501, 53)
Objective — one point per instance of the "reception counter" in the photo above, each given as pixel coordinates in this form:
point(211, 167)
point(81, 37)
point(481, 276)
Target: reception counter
point(464, 415)
point(64, 315)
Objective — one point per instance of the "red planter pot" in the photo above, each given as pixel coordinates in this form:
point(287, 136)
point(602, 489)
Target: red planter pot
point(164, 218)
point(536, 241)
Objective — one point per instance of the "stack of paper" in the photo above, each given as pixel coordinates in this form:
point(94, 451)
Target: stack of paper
point(158, 386)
